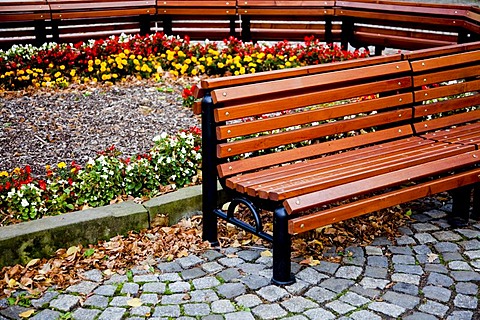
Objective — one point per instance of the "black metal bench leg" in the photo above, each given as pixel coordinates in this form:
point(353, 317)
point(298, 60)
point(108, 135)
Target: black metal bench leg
point(282, 245)
point(461, 206)
point(476, 202)
point(209, 171)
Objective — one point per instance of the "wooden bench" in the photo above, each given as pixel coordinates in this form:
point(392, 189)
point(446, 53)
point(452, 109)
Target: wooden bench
point(300, 142)
point(405, 25)
point(76, 20)
point(198, 19)
point(23, 22)
point(292, 20)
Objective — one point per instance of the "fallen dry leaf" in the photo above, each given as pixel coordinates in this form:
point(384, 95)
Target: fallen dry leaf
point(32, 262)
point(135, 302)
point(431, 257)
point(27, 314)
point(266, 253)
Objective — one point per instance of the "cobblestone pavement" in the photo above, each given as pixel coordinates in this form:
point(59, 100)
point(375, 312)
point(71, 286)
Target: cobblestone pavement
point(431, 272)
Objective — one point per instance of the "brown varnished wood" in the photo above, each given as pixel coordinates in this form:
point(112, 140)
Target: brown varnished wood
point(413, 35)
point(294, 136)
point(306, 117)
point(375, 203)
point(467, 134)
point(101, 13)
point(446, 105)
point(435, 52)
point(245, 165)
point(289, 3)
point(251, 90)
point(255, 108)
point(398, 177)
point(295, 72)
point(443, 91)
point(447, 121)
point(437, 77)
point(286, 11)
point(357, 172)
point(194, 11)
point(404, 7)
point(196, 4)
point(398, 41)
point(242, 182)
point(446, 61)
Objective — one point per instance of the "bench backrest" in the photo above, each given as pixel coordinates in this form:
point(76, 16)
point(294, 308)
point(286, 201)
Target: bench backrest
point(258, 124)
point(445, 87)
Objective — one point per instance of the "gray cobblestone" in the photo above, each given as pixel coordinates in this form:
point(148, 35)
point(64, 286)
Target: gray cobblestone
point(435, 308)
point(406, 278)
point(374, 272)
point(425, 227)
point(231, 262)
point(170, 277)
point(409, 269)
point(407, 288)
point(140, 311)
point(248, 300)
point(85, 314)
point(269, 311)
point(205, 282)
point(154, 287)
point(403, 259)
point(207, 295)
point(420, 316)
point(340, 307)
point(251, 268)
point(145, 278)
point(298, 304)
point(373, 251)
point(248, 255)
point(112, 313)
point(470, 244)
point(468, 233)
point(169, 267)
point(447, 236)
point(222, 306)
point(167, 311)
point(116, 279)
point(337, 285)
point(372, 283)
point(97, 301)
point(400, 250)
point(189, 261)
point(149, 298)
point(378, 261)
point(438, 279)
point(365, 315)
point(437, 268)
point(84, 287)
point(229, 274)
point(466, 288)
point(319, 314)
point(452, 256)
point(461, 315)
point(130, 288)
point(211, 255)
point(437, 293)
point(320, 295)
point(44, 300)
point(473, 254)
point(64, 302)
point(231, 290)
point(255, 282)
point(354, 299)
point(47, 314)
point(402, 300)
point(422, 249)
point(466, 302)
point(196, 309)
point(106, 290)
point(93, 275)
point(298, 288)
point(459, 265)
point(327, 267)
point(387, 308)
point(443, 247)
point(244, 315)
point(311, 275)
point(212, 267)
point(176, 298)
point(120, 301)
point(404, 240)
point(179, 286)
point(272, 293)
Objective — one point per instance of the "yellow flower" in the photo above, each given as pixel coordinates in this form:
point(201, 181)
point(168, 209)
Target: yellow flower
point(139, 57)
point(252, 70)
point(62, 67)
point(50, 65)
point(61, 165)
point(188, 61)
point(288, 64)
point(247, 59)
point(126, 51)
point(132, 56)
point(122, 55)
point(3, 174)
point(57, 74)
point(293, 58)
point(194, 72)
point(220, 65)
point(16, 170)
point(90, 69)
point(72, 73)
point(90, 62)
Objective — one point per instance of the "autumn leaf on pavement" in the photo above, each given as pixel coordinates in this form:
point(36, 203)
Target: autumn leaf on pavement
point(431, 257)
point(266, 253)
point(27, 314)
point(135, 302)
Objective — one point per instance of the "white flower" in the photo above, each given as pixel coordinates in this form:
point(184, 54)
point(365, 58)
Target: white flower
point(25, 203)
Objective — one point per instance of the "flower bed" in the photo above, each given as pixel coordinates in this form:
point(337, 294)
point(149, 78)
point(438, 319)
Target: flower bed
point(174, 161)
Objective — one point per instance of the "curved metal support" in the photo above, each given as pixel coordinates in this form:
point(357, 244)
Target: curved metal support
point(235, 202)
point(229, 216)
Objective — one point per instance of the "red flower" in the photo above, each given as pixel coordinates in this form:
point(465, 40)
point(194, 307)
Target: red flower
point(42, 185)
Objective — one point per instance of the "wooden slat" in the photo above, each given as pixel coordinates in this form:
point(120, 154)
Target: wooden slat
point(467, 134)
point(317, 149)
point(386, 180)
point(433, 52)
point(362, 73)
point(294, 136)
point(437, 77)
point(443, 91)
point(405, 7)
point(447, 121)
point(318, 97)
point(195, 12)
point(244, 181)
point(358, 171)
point(295, 72)
point(446, 61)
point(196, 4)
point(375, 203)
point(101, 13)
point(305, 117)
point(446, 105)
point(289, 3)
point(311, 12)
point(398, 41)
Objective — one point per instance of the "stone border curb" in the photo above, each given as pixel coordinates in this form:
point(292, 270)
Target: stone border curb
point(19, 243)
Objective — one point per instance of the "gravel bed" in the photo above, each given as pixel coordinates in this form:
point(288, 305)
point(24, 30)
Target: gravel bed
point(74, 124)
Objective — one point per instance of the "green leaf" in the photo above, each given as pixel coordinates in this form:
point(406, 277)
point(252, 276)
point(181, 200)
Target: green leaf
point(70, 206)
point(89, 252)
point(408, 213)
